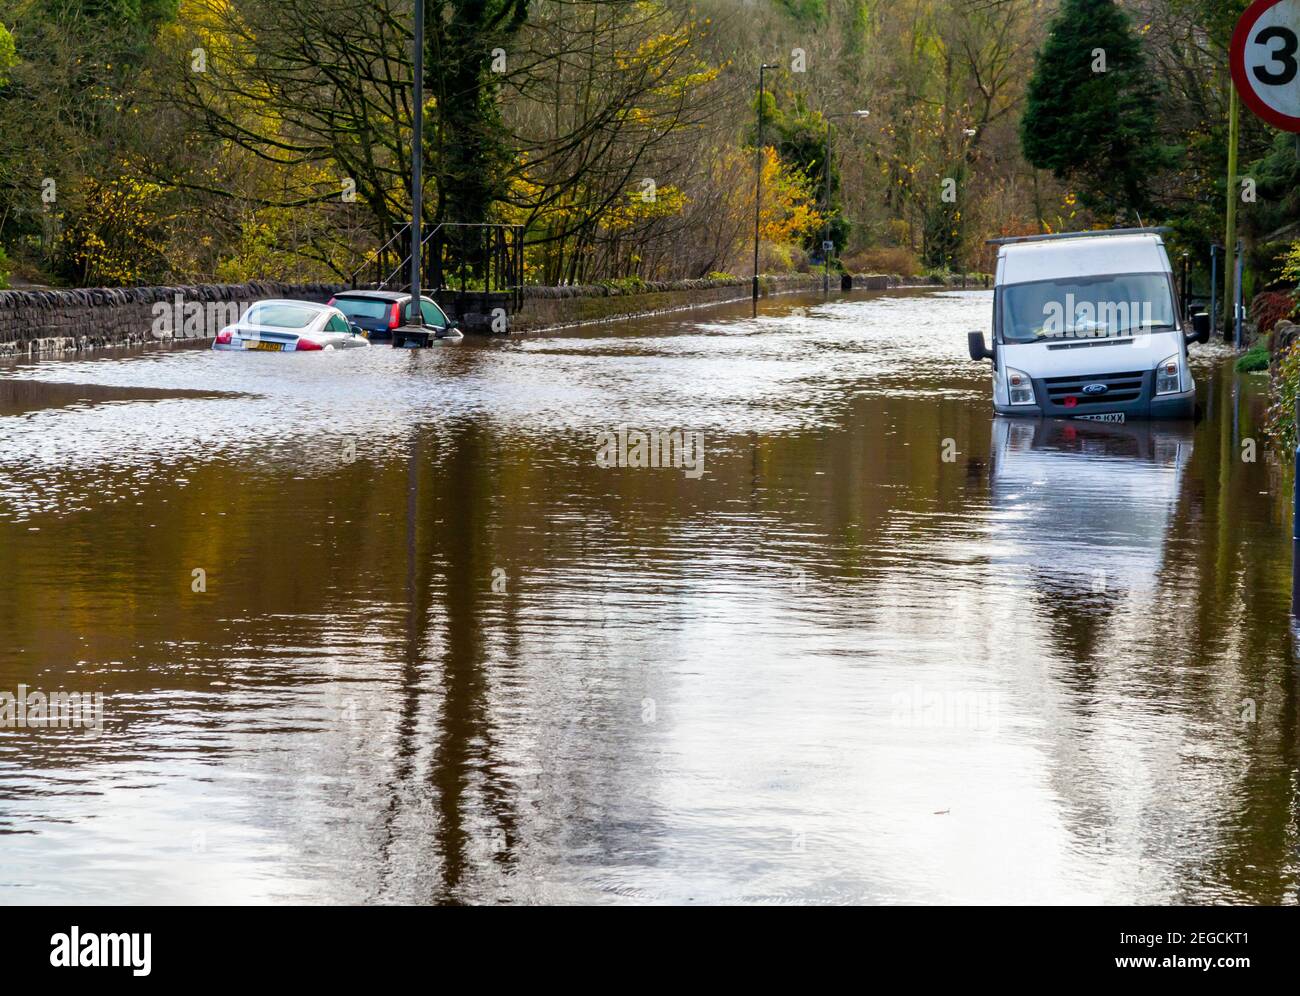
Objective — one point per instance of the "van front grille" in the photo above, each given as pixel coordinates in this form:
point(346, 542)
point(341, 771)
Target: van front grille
point(1120, 387)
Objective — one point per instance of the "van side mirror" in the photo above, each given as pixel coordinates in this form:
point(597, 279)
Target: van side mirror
point(978, 351)
point(1200, 328)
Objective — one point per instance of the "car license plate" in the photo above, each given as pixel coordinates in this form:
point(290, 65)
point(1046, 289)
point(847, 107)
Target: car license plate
point(274, 347)
point(1104, 417)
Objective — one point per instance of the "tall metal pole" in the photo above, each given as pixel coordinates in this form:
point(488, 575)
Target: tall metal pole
point(1295, 523)
point(826, 206)
point(826, 253)
point(1214, 287)
point(1238, 305)
point(1187, 307)
point(1230, 237)
point(417, 157)
point(758, 179)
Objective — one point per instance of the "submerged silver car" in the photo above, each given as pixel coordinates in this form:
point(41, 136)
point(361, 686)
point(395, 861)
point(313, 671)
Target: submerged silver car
point(291, 326)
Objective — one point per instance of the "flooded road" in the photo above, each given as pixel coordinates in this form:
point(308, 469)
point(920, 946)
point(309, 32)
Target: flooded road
point(375, 627)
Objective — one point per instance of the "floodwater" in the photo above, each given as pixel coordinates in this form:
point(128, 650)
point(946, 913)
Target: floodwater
point(375, 626)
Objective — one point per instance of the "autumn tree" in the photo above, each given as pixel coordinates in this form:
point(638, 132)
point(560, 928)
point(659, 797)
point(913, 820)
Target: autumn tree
point(464, 38)
point(69, 110)
point(606, 108)
point(1090, 109)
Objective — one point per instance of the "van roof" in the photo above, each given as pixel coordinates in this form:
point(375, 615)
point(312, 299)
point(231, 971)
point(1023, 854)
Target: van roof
point(1086, 256)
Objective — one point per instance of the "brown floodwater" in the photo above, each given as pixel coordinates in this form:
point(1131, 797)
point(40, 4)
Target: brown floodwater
point(376, 626)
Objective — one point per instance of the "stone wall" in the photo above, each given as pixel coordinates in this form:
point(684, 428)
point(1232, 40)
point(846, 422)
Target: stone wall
point(34, 322)
point(42, 322)
point(557, 307)
point(1285, 335)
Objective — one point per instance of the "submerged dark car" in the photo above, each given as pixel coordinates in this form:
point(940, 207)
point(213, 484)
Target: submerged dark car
point(378, 312)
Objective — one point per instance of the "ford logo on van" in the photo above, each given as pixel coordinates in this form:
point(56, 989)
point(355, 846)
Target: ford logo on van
point(1095, 388)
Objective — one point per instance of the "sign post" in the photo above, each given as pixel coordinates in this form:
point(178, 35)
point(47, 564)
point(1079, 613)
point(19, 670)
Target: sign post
point(1230, 231)
point(1265, 60)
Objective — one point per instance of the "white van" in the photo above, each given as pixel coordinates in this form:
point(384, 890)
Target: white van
point(1085, 325)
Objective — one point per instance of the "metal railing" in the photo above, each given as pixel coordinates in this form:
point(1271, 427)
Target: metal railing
point(464, 258)
point(383, 259)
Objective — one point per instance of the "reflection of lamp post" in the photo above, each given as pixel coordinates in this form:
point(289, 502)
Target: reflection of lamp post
point(758, 179)
point(826, 242)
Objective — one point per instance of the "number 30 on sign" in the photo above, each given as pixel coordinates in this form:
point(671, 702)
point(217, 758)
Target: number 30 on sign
point(1265, 50)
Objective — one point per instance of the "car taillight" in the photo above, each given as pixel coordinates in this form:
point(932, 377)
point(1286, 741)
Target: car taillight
point(223, 337)
point(304, 344)
point(331, 301)
point(395, 317)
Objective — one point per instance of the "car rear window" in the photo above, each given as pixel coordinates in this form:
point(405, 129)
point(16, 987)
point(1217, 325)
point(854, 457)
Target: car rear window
point(280, 316)
point(363, 307)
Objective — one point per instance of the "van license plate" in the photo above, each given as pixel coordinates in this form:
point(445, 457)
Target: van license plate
point(1105, 417)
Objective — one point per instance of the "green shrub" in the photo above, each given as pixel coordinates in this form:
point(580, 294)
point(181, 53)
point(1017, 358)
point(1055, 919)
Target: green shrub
point(1254, 359)
point(1286, 388)
point(625, 285)
point(895, 260)
point(778, 258)
point(4, 269)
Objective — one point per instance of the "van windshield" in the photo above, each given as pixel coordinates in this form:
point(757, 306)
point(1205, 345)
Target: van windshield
point(1087, 307)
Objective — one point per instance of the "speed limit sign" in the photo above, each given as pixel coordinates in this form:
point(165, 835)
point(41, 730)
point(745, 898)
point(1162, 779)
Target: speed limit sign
point(1265, 59)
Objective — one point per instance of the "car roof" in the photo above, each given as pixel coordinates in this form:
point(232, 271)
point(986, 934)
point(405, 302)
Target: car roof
point(315, 305)
point(1025, 262)
point(379, 295)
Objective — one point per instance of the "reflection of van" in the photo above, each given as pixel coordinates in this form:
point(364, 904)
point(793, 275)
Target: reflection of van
point(1085, 325)
point(1080, 502)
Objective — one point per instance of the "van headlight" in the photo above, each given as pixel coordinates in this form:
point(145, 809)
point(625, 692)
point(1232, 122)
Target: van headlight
point(1167, 378)
point(1020, 389)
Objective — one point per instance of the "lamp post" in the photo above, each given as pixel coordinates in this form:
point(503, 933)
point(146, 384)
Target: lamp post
point(1186, 289)
point(1238, 304)
point(1214, 287)
point(417, 157)
point(826, 196)
point(968, 134)
point(758, 179)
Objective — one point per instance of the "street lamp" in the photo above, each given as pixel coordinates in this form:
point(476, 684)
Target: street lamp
point(826, 197)
point(1187, 308)
point(758, 179)
point(417, 160)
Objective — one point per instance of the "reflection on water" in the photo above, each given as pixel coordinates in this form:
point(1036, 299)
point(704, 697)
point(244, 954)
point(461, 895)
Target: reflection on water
point(438, 654)
point(1085, 507)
